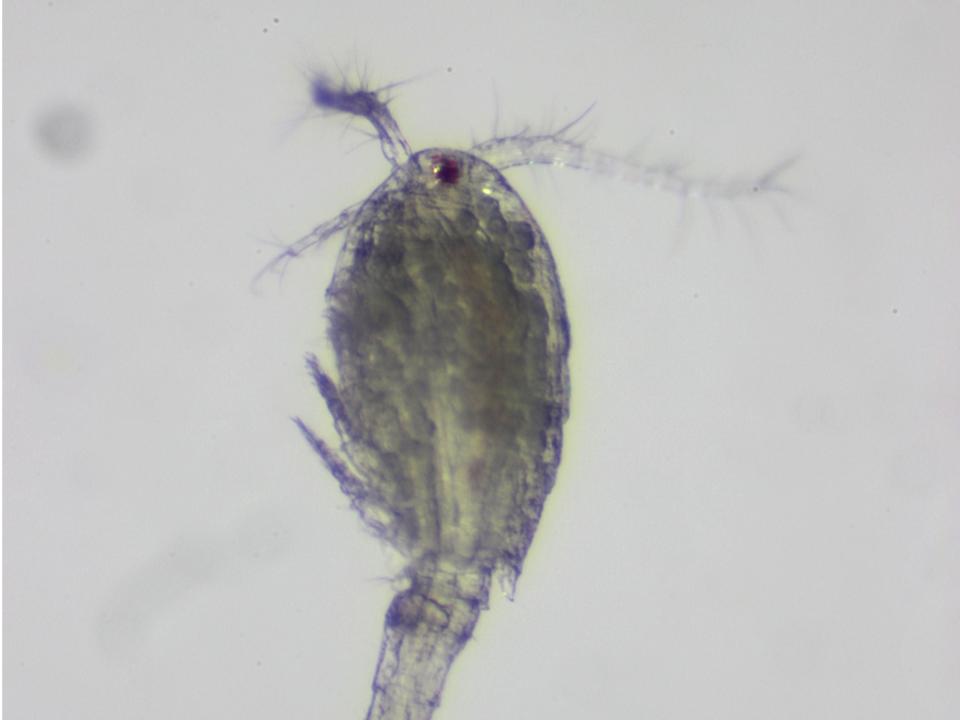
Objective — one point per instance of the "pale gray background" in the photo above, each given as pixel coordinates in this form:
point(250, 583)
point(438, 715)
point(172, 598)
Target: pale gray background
point(757, 514)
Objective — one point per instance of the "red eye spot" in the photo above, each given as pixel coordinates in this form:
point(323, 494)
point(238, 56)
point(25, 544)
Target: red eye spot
point(446, 169)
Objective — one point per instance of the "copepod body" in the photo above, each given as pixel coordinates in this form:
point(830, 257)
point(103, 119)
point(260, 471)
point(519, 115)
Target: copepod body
point(450, 335)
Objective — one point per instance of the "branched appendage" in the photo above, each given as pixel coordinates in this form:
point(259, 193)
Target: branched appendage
point(314, 238)
point(556, 150)
point(341, 97)
point(365, 500)
point(426, 627)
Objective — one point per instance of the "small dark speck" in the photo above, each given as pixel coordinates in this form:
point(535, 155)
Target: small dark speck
point(276, 20)
point(696, 296)
point(449, 69)
point(265, 30)
point(896, 311)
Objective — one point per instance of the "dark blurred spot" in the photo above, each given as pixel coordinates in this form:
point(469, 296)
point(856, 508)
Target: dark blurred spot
point(65, 132)
point(446, 169)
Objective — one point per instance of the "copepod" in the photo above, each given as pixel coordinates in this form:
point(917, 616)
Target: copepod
point(450, 337)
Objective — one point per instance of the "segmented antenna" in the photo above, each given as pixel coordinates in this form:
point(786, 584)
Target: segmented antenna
point(340, 97)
